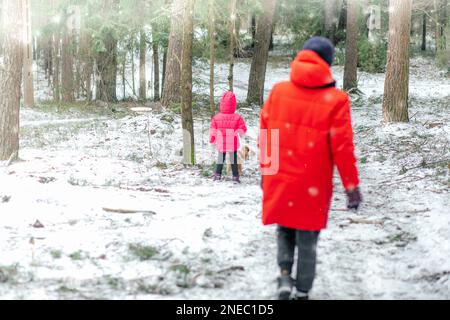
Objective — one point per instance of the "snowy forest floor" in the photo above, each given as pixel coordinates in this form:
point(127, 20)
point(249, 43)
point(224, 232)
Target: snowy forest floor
point(204, 240)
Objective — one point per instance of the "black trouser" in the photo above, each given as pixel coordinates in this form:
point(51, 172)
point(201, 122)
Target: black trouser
point(306, 242)
point(234, 163)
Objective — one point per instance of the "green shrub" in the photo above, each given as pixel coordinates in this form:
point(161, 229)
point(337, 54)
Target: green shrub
point(372, 57)
point(143, 252)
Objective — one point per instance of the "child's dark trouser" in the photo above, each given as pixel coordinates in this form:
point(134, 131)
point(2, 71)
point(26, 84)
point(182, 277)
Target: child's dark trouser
point(306, 242)
point(234, 163)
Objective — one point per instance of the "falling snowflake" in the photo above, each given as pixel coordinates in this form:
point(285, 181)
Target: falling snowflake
point(313, 192)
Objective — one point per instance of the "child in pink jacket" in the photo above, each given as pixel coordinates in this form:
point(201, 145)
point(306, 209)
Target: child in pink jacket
point(224, 131)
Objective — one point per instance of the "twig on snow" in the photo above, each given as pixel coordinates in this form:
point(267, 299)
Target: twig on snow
point(362, 221)
point(128, 211)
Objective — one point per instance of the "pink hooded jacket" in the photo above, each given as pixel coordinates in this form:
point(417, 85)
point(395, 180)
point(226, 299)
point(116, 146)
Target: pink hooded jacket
point(227, 125)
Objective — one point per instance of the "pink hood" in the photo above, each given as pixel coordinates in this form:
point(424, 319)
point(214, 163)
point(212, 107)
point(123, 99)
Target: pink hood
point(228, 103)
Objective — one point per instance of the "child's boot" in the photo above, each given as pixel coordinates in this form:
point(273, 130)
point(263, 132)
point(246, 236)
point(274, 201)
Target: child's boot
point(217, 177)
point(236, 179)
point(285, 285)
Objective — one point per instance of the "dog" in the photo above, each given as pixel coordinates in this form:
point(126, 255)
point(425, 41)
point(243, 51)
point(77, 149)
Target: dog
point(243, 155)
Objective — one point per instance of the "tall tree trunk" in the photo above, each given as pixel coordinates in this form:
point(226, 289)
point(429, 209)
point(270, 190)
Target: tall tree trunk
point(437, 24)
point(11, 22)
point(48, 60)
point(172, 80)
point(155, 50)
point(331, 19)
point(156, 84)
point(396, 87)
point(56, 84)
point(212, 45)
point(424, 32)
point(444, 23)
point(107, 69)
point(87, 64)
point(163, 80)
point(133, 68)
point(257, 77)
point(67, 76)
point(107, 60)
point(28, 87)
point(186, 80)
point(123, 74)
point(351, 47)
point(253, 29)
point(142, 66)
point(232, 29)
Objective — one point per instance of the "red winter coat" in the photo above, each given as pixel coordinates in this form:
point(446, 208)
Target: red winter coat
point(315, 134)
point(227, 125)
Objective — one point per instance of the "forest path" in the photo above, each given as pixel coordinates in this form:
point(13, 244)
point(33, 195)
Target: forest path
point(204, 240)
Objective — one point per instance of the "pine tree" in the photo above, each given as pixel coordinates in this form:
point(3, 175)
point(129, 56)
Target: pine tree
point(10, 77)
point(28, 86)
point(212, 45)
point(257, 77)
point(107, 58)
point(396, 87)
point(186, 80)
point(172, 79)
point(351, 47)
point(142, 66)
point(232, 29)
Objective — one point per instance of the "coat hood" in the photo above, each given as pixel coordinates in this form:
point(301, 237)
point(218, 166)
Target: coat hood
point(228, 103)
point(309, 70)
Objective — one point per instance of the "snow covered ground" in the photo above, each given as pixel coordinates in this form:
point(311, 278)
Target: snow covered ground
point(201, 240)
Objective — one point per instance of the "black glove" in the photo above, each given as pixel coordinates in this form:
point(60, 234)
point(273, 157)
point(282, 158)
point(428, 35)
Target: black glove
point(354, 199)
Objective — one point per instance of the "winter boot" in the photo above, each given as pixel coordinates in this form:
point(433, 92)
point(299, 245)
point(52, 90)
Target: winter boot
point(285, 285)
point(299, 295)
point(236, 179)
point(217, 177)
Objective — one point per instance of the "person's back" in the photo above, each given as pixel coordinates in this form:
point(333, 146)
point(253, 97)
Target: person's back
point(312, 118)
point(225, 128)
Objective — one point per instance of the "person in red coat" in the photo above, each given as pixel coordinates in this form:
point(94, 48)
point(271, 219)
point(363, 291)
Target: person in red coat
point(225, 129)
point(305, 132)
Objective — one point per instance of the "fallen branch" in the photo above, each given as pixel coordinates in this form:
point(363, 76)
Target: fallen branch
point(362, 221)
point(427, 165)
point(231, 269)
point(411, 211)
point(127, 211)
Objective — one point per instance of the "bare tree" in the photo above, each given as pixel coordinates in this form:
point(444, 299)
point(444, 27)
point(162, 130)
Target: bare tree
point(155, 50)
point(28, 87)
point(424, 32)
point(232, 43)
point(259, 63)
point(10, 78)
point(351, 47)
point(67, 75)
point(107, 59)
point(172, 79)
point(396, 87)
point(186, 80)
point(212, 45)
point(332, 10)
point(142, 65)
